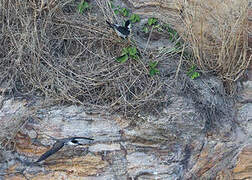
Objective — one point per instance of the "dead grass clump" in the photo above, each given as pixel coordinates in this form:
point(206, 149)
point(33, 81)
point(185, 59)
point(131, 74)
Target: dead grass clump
point(218, 34)
point(53, 51)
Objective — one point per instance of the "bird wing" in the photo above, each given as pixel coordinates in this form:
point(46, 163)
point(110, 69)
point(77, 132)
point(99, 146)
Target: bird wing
point(110, 25)
point(56, 147)
point(123, 30)
point(127, 23)
point(74, 138)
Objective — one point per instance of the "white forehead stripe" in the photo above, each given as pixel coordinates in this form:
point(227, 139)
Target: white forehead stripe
point(71, 143)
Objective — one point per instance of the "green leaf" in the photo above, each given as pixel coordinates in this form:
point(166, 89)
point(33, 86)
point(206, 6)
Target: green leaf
point(125, 51)
point(170, 36)
point(135, 57)
point(134, 18)
point(80, 8)
point(192, 73)
point(173, 34)
point(145, 29)
point(152, 21)
point(132, 51)
point(83, 5)
point(153, 64)
point(124, 12)
point(116, 11)
point(195, 75)
point(193, 68)
point(158, 27)
point(122, 59)
point(112, 5)
point(178, 45)
point(153, 71)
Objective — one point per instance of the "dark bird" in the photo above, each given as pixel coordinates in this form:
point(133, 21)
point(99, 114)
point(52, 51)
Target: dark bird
point(121, 31)
point(59, 144)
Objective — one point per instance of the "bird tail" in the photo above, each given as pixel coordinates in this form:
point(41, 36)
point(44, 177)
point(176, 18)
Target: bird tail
point(110, 25)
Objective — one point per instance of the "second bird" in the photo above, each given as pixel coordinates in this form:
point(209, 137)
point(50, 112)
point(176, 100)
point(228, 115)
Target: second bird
point(59, 144)
point(121, 31)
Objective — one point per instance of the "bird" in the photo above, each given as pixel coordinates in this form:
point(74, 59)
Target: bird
point(121, 31)
point(59, 144)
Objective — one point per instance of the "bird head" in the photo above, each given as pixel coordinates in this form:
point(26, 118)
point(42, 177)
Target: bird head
point(128, 24)
point(74, 142)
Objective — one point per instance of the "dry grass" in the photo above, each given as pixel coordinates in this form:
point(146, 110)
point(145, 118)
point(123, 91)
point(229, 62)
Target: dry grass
point(217, 32)
point(53, 51)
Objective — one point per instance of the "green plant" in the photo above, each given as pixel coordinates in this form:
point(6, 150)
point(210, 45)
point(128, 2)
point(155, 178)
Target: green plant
point(192, 73)
point(133, 52)
point(158, 27)
point(145, 29)
point(129, 52)
point(116, 11)
point(152, 21)
point(134, 18)
point(83, 6)
point(124, 12)
point(112, 4)
point(122, 58)
point(173, 34)
point(153, 70)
